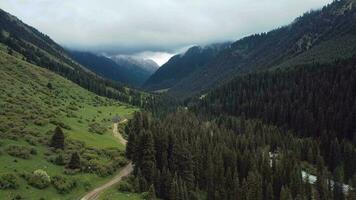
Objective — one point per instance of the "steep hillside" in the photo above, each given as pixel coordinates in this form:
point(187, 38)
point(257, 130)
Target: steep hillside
point(126, 73)
point(182, 65)
point(317, 36)
point(34, 101)
point(39, 49)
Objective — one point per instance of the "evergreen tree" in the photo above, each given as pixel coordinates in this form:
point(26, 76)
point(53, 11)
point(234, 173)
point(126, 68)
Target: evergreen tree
point(74, 162)
point(174, 191)
point(352, 190)
point(269, 192)
point(285, 194)
point(57, 140)
point(148, 157)
point(338, 184)
point(151, 194)
point(254, 187)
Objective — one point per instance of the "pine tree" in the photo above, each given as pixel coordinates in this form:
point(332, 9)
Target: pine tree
point(151, 194)
point(269, 192)
point(285, 194)
point(338, 184)
point(254, 186)
point(308, 189)
point(174, 191)
point(296, 182)
point(148, 157)
point(57, 140)
point(352, 190)
point(74, 162)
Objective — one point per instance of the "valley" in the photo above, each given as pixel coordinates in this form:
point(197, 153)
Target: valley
point(228, 116)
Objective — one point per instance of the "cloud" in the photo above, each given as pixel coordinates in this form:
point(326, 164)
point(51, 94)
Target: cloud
point(132, 26)
point(159, 57)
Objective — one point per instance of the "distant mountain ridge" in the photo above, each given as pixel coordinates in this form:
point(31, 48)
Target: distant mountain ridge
point(141, 68)
point(132, 72)
point(320, 36)
point(182, 65)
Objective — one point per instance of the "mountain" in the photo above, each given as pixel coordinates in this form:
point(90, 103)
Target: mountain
point(132, 73)
point(39, 49)
point(182, 65)
point(141, 68)
point(318, 36)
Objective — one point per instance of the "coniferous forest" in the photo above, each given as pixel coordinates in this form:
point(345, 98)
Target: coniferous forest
point(279, 134)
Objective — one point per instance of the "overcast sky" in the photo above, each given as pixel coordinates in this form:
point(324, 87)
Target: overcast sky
point(153, 28)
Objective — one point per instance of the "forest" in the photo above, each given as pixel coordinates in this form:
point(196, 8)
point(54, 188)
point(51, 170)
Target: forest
point(258, 137)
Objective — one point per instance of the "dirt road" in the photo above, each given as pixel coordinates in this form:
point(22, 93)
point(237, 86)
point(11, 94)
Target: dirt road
point(95, 193)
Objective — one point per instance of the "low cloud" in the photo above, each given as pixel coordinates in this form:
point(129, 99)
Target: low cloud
point(132, 26)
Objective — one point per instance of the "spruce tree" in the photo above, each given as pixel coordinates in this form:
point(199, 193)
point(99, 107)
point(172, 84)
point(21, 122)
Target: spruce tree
point(285, 194)
point(151, 193)
point(74, 162)
point(351, 195)
point(57, 140)
point(148, 157)
point(338, 184)
point(269, 192)
point(174, 191)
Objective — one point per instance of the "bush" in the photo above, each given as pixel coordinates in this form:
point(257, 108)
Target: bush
point(87, 185)
point(8, 181)
point(20, 151)
point(39, 179)
point(59, 160)
point(30, 139)
point(63, 184)
point(100, 168)
point(125, 186)
point(97, 128)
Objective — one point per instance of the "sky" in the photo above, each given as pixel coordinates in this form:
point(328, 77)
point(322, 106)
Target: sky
point(154, 29)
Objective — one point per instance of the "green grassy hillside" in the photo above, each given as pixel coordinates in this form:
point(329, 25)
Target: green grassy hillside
point(33, 102)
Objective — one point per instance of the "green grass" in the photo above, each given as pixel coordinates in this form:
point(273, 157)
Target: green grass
point(28, 114)
point(113, 193)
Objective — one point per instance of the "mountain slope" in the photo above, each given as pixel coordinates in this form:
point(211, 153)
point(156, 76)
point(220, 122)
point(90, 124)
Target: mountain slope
point(317, 36)
point(141, 69)
point(123, 73)
point(180, 66)
point(39, 49)
point(33, 102)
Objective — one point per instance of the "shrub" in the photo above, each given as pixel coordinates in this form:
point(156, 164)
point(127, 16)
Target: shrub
point(87, 185)
point(17, 197)
point(100, 168)
point(40, 122)
point(39, 179)
point(30, 139)
point(59, 160)
point(125, 186)
point(150, 194)
point(63, 184)
point(97, 128)
point(8, 181)
point(20, 151)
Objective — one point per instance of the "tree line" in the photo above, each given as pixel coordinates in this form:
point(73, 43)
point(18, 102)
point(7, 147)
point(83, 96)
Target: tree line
point(185, 157)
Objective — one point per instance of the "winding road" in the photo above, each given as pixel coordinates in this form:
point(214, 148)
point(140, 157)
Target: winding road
point(95, 193)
